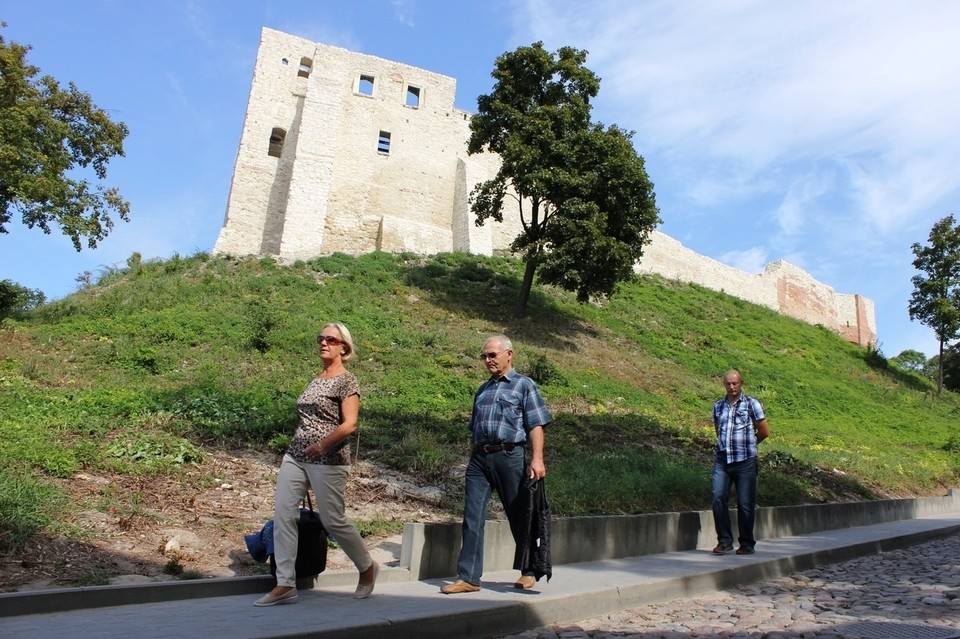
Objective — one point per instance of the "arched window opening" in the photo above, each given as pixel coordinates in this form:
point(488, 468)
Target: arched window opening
point(306, 66)
point(276, 142)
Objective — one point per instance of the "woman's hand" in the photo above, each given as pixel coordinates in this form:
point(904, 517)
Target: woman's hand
point(313, 451)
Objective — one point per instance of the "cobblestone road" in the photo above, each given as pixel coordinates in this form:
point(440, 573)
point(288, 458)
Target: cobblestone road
point(912, 593)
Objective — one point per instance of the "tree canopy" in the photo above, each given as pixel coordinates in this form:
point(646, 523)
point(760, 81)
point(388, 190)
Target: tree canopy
point(15, 298)
point(935, 301)
point(911, 360)
point(47, 136)
point(585, 201)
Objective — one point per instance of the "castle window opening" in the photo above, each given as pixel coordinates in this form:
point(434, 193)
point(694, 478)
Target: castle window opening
point(383, 145)
point(413, 96)
point(276, 142)
point(365, 86)
point(306, 66)
point(284, 61)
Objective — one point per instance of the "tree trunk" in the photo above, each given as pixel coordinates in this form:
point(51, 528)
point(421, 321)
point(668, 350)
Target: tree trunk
point(527, 284)
point(940, 376)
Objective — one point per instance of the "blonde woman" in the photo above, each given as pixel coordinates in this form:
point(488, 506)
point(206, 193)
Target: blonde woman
point(319, 457)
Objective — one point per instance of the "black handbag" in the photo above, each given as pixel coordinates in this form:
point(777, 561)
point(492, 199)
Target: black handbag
point(311, 543)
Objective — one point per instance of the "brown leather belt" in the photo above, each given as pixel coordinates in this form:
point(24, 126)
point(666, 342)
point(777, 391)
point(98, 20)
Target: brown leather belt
point(496, 448)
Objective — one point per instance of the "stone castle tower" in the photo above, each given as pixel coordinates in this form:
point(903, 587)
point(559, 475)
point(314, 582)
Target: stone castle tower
point(348, 152)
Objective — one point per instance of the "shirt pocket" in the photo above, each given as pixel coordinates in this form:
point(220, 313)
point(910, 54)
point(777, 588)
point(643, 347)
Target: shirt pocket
point(742, 418)
point(510, 410)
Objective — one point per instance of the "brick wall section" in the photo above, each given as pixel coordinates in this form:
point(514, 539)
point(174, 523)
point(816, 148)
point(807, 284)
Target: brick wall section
point(334, 187)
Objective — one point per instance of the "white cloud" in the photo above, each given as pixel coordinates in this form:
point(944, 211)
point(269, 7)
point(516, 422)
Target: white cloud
point(752, 260)
point(822, 133)
point(760, 81)
point(799, 203)
point(403, 11)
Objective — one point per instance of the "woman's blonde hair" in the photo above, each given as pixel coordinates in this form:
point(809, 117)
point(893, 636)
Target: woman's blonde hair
point(348, 348)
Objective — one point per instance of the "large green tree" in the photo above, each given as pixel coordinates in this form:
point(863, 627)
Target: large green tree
point(935, 301)
point(585, 201)
point(48, 136)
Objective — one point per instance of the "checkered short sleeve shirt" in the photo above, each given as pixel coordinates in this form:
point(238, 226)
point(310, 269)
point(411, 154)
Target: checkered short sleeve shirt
point(506, 409)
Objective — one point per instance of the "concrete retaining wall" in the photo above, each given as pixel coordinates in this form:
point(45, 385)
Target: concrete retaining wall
point(430, 550)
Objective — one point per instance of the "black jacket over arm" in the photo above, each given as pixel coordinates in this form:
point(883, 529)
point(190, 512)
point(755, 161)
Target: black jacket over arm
point(533, 546)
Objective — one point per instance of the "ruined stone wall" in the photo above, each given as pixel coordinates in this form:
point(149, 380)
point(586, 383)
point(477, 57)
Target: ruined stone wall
point(342, 151)
point(781, 286)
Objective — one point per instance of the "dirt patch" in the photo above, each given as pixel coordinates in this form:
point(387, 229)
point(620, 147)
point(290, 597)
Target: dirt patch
point(133, 529)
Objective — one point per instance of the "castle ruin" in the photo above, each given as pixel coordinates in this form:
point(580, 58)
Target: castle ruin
point(342, 151)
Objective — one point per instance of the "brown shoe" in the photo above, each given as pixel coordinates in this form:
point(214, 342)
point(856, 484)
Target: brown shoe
point(526, 582)
point(458, 586)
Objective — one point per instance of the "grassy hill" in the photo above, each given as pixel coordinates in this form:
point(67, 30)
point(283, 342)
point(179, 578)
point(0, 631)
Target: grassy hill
point(159, 362)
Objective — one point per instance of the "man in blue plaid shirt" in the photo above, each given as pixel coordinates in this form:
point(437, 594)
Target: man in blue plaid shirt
point(508, 418)
point(740, 424)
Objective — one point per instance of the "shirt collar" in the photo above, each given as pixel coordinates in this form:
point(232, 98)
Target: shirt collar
point(509, 376)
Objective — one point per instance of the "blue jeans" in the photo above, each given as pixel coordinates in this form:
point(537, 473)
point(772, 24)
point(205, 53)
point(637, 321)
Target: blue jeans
point(501, 471)
point(743, 475)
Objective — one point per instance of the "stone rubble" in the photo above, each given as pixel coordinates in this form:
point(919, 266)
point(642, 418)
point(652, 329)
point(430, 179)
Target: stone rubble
point(911, 592)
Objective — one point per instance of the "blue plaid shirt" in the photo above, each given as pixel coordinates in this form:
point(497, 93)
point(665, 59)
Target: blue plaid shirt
point(736, 439)
point(506, 409)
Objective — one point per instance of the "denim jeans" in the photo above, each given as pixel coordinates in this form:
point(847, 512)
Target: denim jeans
point(501, 471)
point(743, 475)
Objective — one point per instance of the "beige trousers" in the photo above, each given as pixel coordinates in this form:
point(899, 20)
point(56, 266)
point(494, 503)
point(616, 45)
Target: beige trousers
point(329, 484)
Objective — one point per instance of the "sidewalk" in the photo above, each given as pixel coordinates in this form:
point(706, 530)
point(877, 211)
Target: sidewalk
point(416, 609)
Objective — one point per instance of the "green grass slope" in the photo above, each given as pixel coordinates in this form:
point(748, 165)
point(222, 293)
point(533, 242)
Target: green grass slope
point(144, 371)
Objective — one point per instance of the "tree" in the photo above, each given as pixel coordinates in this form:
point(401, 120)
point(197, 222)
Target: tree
point(15, 298)
point(910, 360)
point(951, 368)
point(936, 296)
point(585, 202)
point(47, 134)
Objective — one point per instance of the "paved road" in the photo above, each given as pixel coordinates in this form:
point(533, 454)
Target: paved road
point(910, 593)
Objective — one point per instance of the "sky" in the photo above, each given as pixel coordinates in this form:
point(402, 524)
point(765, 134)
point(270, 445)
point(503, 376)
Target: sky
point(821, 132)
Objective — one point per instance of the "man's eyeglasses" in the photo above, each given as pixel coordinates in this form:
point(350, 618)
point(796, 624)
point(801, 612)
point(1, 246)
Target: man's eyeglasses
point(486, 356)
point(329, 339)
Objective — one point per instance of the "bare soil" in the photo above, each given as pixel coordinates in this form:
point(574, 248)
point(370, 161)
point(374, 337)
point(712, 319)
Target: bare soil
point(135, 529)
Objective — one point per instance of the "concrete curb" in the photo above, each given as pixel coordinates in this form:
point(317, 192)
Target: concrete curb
point(63, 599)
point(45, 601)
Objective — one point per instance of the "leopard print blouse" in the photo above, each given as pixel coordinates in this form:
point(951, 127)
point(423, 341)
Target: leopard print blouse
point(318, 408)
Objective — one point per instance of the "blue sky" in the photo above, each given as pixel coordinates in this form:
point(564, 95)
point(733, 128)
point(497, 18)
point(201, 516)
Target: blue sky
point(823, 133)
